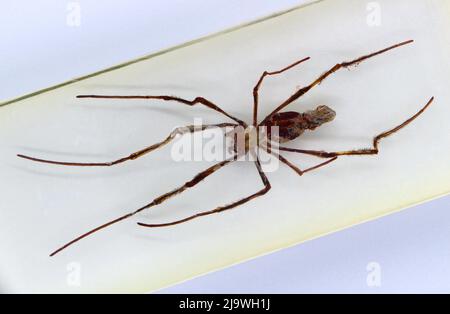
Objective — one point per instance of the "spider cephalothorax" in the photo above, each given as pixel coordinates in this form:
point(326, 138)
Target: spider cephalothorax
point(288, 126)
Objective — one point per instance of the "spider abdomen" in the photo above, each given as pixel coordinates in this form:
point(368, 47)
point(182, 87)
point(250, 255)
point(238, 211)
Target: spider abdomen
point(286, 126)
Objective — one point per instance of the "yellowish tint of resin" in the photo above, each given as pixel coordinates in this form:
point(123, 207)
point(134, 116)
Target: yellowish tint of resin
point(44, 206)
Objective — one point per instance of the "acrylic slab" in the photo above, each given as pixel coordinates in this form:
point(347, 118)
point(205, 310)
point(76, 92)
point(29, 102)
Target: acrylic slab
point(43, 206)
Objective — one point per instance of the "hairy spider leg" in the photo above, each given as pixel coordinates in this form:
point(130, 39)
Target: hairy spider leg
point(335, 68)
point(258, 85)
point(133, 156)
point(198, 100)
point(365, 151)
point(219, 209)
point(160, 199)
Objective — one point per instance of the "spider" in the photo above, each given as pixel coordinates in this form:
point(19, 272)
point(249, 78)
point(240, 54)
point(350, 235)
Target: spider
point(290, 125)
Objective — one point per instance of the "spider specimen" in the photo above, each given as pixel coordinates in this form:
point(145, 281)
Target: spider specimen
point(290, 126)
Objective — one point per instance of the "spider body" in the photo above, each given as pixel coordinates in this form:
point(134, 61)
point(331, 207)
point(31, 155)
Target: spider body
point(247, 138)
point(280, 128)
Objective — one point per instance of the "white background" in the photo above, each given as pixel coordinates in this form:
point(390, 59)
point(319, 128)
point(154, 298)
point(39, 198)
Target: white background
point(42, 45)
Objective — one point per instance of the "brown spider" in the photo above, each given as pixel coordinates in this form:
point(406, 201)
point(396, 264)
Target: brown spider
point(290, 126)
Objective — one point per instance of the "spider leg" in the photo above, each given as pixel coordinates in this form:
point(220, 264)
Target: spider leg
point(160, 199)
point(133, 156)
point(261, 192)
point(335, 68)
point(197, 100)
point(365, 151)
point(297, 169)
point(258, 85)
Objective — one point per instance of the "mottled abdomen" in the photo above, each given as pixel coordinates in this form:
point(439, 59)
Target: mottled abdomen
point(291, 124)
